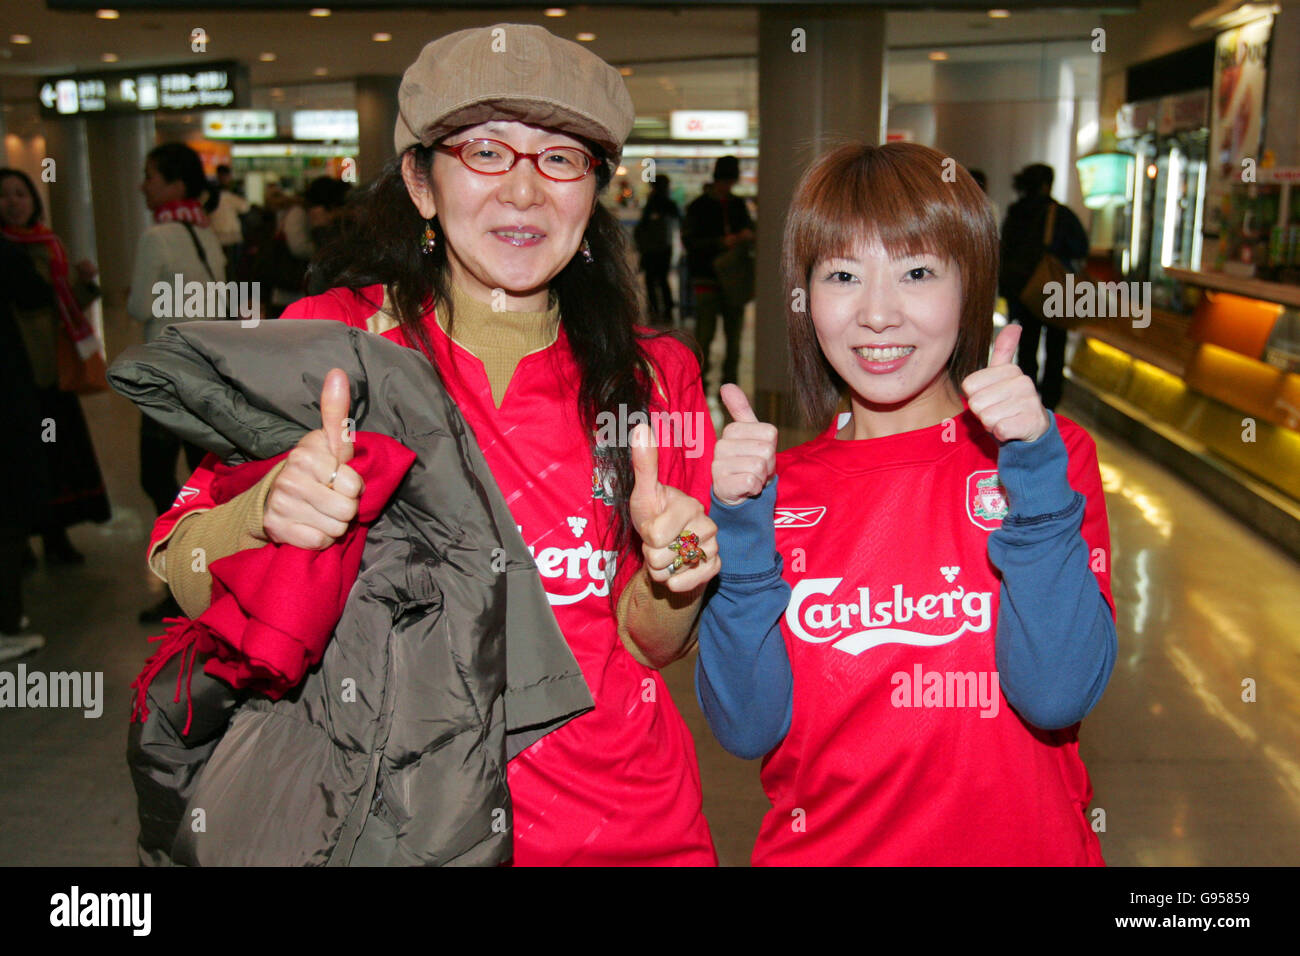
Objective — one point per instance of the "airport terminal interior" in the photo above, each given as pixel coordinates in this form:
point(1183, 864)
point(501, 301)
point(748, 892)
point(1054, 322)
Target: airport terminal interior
point(1172, 128)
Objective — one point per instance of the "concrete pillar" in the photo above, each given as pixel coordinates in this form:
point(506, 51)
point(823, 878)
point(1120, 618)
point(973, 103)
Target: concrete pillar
point(118, 146)
point(376, 117)
point(821, 78)
point(70, 209)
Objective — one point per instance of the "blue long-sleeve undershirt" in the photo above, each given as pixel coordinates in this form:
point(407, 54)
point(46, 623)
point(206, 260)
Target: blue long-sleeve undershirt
point(1055, 643)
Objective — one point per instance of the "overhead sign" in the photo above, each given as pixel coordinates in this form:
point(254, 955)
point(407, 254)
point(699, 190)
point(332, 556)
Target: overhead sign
point(187, 87)
point(708, 124)
point(326, 124)
point(239, 124)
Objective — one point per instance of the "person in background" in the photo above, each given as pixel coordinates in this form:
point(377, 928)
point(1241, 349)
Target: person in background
point(225, 207)
point(325, 202)
point(654, 242)
point(180, 243)
point(982, 181)
point(22, 489)
point(715, 222)
point(302, 225)
point(1022, 247)
point(76, 492)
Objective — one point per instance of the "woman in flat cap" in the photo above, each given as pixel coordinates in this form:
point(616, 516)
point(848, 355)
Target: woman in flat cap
point(484, 245)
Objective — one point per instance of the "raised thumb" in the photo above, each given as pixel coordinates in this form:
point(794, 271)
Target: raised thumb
point(645, 471)
point(1004, 348)
point(335, 401)
point(733, 396)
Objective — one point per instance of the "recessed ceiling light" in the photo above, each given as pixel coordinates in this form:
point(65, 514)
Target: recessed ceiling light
point(108, 57)
point(555, 11)
point(999, 14)
point(20, 39)
point(381, 37)
point(938, 55)
point(267, 57)
point(319, 11)
point(586, 37)
point(625, 71)
point(107, 14)
point(321, 71)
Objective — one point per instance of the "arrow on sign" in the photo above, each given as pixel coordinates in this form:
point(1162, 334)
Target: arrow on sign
point(48, 97)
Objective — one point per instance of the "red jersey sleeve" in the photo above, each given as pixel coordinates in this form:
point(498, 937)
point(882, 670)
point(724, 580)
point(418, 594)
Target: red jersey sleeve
point(195, 495)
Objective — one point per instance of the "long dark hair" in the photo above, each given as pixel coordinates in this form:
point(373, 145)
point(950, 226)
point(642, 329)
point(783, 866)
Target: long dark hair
point(600, 303)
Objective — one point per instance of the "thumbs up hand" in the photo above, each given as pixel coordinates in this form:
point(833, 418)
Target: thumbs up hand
point(315, 496)
point(662, 516)
point(1004, 398)
point(745, 457)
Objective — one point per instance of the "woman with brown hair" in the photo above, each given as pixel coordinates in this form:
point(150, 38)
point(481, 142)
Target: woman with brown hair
point(910, 626)
point(76, 491)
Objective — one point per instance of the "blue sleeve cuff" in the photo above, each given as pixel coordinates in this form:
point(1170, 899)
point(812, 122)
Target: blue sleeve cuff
point(747, 534)
point(1036, 475)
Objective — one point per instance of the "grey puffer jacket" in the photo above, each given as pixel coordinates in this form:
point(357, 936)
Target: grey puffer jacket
point(447, 660)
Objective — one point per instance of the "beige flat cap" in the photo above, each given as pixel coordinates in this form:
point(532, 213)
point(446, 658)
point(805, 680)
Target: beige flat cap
point(517, 72)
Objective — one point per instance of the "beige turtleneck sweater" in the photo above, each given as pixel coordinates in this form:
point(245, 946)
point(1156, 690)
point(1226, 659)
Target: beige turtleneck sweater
point(655, 624)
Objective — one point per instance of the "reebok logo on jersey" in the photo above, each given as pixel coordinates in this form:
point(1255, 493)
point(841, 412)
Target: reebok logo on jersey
point(957, 610)
point(798, 517)
point(184, 495)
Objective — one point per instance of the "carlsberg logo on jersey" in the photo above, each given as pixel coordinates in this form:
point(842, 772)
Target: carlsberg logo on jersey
point(880, 615)
point(586, 563)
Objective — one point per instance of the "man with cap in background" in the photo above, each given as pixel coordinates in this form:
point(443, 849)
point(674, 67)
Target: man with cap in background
point(715, 222)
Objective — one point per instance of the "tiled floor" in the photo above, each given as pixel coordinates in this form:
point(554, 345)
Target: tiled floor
point(1187, 772)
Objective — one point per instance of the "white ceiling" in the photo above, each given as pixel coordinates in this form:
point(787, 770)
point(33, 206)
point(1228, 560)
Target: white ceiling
point(696, 56)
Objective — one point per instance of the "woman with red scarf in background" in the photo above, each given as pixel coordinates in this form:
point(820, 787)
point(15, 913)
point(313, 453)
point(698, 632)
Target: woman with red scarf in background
point(76, 488)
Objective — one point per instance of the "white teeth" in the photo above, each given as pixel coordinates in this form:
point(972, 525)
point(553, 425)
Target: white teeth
point(520, 235)
point(873, 354)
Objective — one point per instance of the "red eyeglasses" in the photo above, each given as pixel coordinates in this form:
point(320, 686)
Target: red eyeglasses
point(490, 157)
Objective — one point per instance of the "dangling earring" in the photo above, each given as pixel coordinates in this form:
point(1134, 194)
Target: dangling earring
point(430, 238)
point(585, 249)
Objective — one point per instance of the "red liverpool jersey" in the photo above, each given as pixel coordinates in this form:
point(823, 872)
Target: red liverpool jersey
point(620, 784)
point(901, 749)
